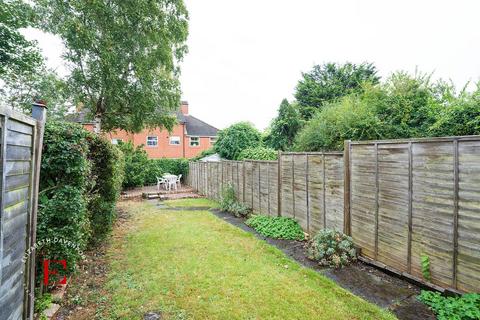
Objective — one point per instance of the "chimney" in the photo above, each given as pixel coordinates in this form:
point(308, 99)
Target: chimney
point(184, 108)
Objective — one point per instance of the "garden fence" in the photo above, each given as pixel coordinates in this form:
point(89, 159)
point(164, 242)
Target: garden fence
point(20, 143)
point(401, 201)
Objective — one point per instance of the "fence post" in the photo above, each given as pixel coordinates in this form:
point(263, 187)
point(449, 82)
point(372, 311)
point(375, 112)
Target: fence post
point(39, 112)
point(346, 188)
point(377, 191)
point(279, 184)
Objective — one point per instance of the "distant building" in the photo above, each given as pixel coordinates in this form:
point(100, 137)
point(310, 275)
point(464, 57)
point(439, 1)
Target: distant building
point(187, 139)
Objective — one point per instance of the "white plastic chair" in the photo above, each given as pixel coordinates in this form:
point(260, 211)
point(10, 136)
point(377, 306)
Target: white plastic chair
point(179, 180)
point(172, 182)
point(161, 181)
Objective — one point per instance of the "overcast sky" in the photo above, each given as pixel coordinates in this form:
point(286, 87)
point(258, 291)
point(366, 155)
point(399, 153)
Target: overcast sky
point(245, 56)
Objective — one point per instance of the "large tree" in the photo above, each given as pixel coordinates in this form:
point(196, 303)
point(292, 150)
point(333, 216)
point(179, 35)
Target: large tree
point(124, 57)
point(236, 138)
point(17, 55)
point(284, 127)
point(328, 82)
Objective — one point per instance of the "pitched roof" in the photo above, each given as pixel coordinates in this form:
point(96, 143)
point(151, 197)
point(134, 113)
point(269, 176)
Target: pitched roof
point(196, 127)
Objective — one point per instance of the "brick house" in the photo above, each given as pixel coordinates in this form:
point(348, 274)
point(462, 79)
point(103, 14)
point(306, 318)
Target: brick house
point(188, 138)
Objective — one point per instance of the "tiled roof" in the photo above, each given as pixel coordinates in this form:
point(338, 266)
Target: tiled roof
point(196, 127)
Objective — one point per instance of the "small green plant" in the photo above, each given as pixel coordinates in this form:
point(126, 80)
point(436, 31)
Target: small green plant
point(42, 302)
point(332, 248)
point(466, 307)
point(425, 261)
point(230, 204)
point(276, 227)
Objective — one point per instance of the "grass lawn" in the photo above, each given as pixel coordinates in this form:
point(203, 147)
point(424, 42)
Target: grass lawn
point(191, 264)
point(200, 202)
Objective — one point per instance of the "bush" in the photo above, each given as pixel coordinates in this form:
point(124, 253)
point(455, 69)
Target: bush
point(136, 162)
point(158, 167)
point(351, 118)
point(234, 139)
point(258, 153)
point(64, 181)
point(230, 204)
point(276, 227)
point(332, 248)
point(108, 169)
point(466, 307)
point(204, 153)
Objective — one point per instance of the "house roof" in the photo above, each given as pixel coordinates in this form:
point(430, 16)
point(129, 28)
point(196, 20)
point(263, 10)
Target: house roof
point(196, 127)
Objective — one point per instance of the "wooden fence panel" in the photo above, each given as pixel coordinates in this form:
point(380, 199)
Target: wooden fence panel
point(468, 267)
point(363, 197)
point(287, 189)
point(300, 177)
point(263, 188)
point(272, 168)
point(432, 219)
point(248, 184)
point(393, 202)
point(333, 191)
point(316, 191)
point(406, 199)
point(20, 139)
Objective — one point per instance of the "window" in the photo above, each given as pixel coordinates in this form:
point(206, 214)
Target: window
point(116, 141)
point(213, 140)
point(152, 141)
point(194, 141)
point(174, 140)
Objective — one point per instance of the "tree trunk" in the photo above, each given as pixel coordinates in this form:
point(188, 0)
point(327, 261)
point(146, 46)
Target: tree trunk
point(97, 120)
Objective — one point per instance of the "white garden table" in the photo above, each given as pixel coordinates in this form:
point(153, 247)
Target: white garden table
point(171, 181)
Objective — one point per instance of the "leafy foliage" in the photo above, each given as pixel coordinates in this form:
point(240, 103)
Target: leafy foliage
point(64, 181)
point(352, 118)
point(332, 248)
point(328, 82)
point(276, 227)
point(234, 139)
point(140, 171)
point(403, 107)
point(158, 167)
point(124, 57)
point(17, 54)
point(136, 163)
point(108, 168)
point(42, 302)
point(466, 307)
point(285, 126)
point(258, 153)
point(425, 262)
point(204, 154)
point(230, 204)
point(80, 180)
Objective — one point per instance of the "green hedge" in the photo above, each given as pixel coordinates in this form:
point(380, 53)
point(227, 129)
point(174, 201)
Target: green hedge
point(140, 171)
point(80, 181)
point(158, 167)
point(64, 181)
point(258, 153)
point(108, 168)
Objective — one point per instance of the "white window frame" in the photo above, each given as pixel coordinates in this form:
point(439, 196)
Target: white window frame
point(154, 144)
point(198, 141)
point(177, 139)
point(213, 140)
point(116, 141)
